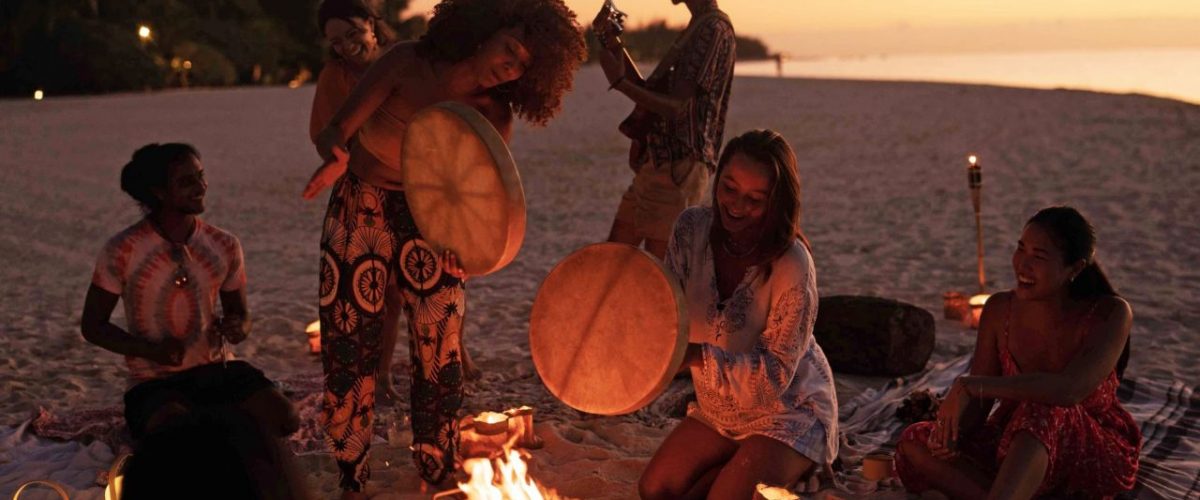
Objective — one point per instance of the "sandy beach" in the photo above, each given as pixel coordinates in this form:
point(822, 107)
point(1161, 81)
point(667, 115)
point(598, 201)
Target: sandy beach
point(886, 207)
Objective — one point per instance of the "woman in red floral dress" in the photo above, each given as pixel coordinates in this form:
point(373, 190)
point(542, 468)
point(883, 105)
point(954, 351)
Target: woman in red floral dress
point(1051, 351)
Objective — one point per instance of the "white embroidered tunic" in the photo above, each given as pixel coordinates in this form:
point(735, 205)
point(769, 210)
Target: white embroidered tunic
point(763, 373)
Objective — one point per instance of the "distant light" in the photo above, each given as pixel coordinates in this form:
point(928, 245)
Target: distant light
point(972, 159)
point(38, 95)
point(144, 32)
point(294, 84)
point(187, 65)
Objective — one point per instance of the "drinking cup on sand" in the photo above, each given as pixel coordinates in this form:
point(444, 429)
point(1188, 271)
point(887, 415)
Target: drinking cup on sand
point(877, 466)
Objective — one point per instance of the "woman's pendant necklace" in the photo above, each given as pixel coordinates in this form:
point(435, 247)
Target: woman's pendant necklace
point(729, 250)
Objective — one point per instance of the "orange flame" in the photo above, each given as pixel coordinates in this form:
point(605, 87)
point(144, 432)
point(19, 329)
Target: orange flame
point(504, 478)
point(491, 417)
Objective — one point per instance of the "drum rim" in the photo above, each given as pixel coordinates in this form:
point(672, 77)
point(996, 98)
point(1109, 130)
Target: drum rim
point(506, 167)
point(681, 329)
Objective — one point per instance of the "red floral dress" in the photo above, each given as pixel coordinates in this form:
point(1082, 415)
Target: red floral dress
point(1092, 446)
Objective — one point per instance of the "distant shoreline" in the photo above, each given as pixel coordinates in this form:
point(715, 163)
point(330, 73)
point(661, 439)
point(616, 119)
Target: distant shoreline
point(743, 73)
point(1161, 72)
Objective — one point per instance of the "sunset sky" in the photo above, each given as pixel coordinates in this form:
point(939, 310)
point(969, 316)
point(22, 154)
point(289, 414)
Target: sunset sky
point(854, 27)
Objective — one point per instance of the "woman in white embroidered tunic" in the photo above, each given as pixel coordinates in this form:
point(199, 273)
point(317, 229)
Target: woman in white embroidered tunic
point(766, 406)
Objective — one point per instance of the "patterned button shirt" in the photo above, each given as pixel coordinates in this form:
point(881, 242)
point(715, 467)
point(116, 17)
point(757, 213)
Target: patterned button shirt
point(703, 57)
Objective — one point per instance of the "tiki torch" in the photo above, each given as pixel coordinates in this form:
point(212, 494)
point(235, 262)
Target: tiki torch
point(975, 181)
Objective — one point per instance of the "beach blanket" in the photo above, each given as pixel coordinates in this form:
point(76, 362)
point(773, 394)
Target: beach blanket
point(73, 464)
point(83, 441)
point(1167, 411)
point(107, 424)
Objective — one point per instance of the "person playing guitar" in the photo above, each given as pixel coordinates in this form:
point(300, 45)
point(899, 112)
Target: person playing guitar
point(677, 124)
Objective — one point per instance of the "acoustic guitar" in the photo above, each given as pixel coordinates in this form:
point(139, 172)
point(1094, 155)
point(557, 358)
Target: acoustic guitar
point(609, 25)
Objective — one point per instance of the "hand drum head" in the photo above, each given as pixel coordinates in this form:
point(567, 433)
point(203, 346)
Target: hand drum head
point(462, 186)
point(608, 329)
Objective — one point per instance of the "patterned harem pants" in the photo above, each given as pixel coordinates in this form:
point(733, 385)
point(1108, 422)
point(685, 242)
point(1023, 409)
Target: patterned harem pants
point(370, 241)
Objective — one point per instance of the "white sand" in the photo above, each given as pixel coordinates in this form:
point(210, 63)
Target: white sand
point(886, 208)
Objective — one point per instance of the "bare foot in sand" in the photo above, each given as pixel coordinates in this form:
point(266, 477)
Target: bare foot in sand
point(470, 371)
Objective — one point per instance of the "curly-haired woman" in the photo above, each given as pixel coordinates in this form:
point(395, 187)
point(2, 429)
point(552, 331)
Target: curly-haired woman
point(504, 57)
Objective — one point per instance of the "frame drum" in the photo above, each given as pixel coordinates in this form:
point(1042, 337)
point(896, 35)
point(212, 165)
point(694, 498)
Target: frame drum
point(609, 329)
point(463, 187)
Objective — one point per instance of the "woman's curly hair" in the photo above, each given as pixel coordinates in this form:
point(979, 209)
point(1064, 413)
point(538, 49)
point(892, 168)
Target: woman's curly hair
point(459, 27)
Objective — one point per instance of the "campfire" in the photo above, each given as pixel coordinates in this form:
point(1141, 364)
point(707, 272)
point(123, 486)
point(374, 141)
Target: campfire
point(506, 477)
point(496, 461)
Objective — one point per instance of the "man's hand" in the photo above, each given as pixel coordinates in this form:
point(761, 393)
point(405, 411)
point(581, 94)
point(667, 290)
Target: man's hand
point(167, 352)
point(233, 328)
point(613, 65)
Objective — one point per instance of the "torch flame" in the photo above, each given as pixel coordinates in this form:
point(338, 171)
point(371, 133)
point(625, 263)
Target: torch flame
point(972, 159)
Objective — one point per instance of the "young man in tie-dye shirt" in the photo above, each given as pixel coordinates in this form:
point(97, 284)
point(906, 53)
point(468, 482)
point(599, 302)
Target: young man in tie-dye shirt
point(169, 269)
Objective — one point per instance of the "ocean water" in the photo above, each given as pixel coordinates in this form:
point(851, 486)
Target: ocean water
point(1167, 72)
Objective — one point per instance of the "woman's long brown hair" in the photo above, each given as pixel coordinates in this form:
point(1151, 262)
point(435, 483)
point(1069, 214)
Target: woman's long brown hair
point(782, 219)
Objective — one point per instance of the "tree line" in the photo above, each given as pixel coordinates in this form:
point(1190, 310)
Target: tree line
point(96, 46)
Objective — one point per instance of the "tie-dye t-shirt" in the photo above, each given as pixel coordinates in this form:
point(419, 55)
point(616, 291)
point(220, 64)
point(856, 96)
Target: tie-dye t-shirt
point(171, 289)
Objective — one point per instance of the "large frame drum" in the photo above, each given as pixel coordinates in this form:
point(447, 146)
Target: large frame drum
point(463, 187)
point(609, 329)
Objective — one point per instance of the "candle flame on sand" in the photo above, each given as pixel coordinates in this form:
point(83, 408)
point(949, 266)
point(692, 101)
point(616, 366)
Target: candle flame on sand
point(491, 417)
point(977, 302)
point(767, 492)
point(313, 330)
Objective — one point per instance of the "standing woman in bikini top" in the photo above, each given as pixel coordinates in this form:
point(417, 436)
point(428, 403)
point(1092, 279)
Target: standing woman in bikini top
point(504, 57)
point(1051, 352)
point(357, 36)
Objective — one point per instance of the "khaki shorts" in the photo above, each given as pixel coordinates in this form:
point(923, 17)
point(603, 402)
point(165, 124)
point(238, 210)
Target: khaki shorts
point(659, 193)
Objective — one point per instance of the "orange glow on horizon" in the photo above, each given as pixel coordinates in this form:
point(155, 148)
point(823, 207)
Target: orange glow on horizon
point(829, 27)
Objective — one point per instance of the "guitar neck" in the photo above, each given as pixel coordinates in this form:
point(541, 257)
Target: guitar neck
point(631, 69)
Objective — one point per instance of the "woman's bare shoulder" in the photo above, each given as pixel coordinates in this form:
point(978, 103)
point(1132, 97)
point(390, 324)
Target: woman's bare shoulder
point(999, 300)
point(401, 56)
point(1109, 306)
